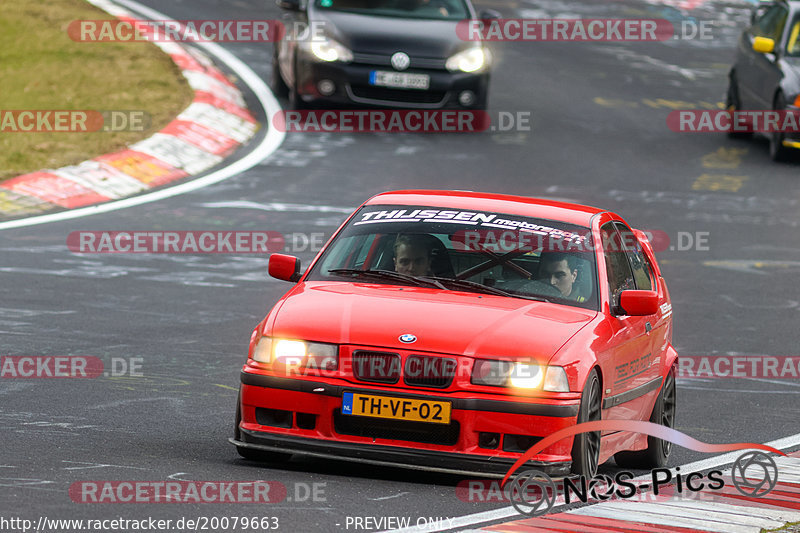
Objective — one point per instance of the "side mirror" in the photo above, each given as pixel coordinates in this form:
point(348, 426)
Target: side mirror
point(289, 5)
point(638, 303)
point(489, 14)
point(284, 267)
point(763, 45)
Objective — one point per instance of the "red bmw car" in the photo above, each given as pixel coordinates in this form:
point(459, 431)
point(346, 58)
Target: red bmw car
point(451, 331)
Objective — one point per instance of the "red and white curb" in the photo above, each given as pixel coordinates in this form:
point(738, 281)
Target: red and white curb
point(211, 128)
point(723, 511)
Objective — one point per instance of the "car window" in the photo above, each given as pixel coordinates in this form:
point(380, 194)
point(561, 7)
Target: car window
point(793, 44)
point(518, 255)
point(640, 265)
point(771, 23)
point(618, 270)
point(422, 9)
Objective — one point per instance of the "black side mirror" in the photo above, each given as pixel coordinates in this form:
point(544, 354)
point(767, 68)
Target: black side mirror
point(289, 5)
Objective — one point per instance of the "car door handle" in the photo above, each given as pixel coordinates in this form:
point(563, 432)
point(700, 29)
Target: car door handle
point(648, 327)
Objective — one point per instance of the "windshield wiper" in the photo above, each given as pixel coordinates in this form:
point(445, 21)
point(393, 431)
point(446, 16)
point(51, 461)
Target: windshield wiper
point(389, 274)
point(478, 287)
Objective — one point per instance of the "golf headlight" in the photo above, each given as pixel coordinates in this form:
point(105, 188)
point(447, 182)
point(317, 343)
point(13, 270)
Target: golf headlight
point(469, 60)
point(519, 375)
point(294, 353)
point(330, 50)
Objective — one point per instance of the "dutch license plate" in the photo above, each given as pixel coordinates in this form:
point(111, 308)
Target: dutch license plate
point(409, 409)
point(399, 80)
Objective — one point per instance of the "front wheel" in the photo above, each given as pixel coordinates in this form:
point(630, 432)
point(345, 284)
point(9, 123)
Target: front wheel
point(777, 151)
point(734, 104)
point(586, 446)
point(657, 452)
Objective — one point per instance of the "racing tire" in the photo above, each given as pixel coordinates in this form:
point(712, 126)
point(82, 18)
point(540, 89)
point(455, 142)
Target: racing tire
point(657, 452)
point(250, 453)
point(586, 446)
point(296, 102)
point(732, 103)
point(777, 151)
point(279, 86)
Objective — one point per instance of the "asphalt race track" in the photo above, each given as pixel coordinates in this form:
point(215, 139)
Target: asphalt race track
point(598, 135)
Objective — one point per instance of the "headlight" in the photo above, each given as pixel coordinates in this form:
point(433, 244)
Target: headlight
point(263, 350)
point(294, 354)
point(519, 375)
point(471, 60)
point(330, 50)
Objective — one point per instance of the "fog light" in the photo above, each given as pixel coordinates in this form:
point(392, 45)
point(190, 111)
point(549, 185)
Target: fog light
point(326, 87)
point(466, 98)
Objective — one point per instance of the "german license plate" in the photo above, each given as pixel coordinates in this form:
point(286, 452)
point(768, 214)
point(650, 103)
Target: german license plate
point(413, 410)
point(399, 80)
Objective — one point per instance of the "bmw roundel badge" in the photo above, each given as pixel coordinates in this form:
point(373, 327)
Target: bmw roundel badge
point(407, 338)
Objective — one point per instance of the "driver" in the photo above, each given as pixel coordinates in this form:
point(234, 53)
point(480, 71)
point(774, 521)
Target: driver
point(560, 270)
point(413, 254)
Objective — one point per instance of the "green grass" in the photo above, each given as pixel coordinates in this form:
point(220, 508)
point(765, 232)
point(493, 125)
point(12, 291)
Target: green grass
point(788, 528)
point(42, 68)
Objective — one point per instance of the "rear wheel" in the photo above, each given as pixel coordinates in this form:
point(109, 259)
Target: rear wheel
point(657, 452)
point(586, 446)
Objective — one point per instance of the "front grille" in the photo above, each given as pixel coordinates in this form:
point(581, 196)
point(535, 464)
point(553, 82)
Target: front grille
point(378, 428)
point(411, 96)
point(386, 61)
point(376, 367)
point(423, 371)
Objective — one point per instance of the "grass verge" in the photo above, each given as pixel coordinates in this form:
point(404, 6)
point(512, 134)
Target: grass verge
point(42, 68)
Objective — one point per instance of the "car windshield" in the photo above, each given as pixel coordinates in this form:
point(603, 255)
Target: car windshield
point(418, 9)
point(449, 249)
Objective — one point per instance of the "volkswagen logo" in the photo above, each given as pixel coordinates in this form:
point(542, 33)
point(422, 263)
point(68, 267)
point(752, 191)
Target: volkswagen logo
point(401, 61)
point(407, 338)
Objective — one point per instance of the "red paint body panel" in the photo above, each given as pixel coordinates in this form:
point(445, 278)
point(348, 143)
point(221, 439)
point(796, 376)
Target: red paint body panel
point(465, 326)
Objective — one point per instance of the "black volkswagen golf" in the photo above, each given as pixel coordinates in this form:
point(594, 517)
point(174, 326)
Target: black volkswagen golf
point(388, 53)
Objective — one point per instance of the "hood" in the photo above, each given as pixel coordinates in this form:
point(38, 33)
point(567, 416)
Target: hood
point(435, 39)
point(448, 322)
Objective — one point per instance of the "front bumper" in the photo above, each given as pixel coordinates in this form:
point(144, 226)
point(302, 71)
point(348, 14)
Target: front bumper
point(353, 87)
point(304, 416)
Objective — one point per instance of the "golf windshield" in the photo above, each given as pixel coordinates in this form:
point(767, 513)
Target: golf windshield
point(421, 9)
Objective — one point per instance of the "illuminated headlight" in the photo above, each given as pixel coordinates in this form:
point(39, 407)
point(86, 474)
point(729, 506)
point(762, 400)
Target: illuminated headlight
point(294, 353)
point(519, 375)
point(469, 60)
point(330, 50)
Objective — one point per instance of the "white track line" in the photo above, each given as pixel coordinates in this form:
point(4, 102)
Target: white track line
point(508, 512)
point(268, 145)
